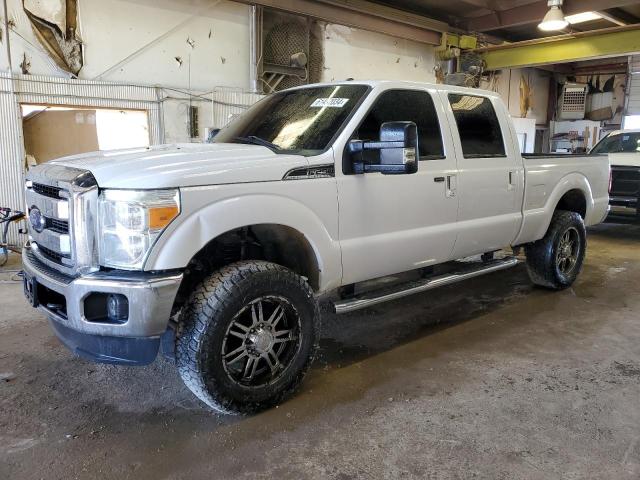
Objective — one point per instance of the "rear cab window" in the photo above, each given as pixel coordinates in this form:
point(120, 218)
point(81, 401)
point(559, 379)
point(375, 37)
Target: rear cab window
point(478, 126)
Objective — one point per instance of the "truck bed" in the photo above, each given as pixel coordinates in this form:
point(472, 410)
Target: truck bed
point(552, 155)
point(549, 176)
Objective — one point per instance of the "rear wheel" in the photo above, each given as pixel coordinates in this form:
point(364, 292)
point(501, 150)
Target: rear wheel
point(247, 336)
point(556, 260)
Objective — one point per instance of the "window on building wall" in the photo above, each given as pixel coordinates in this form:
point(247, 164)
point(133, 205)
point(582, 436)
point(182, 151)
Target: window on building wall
point(631, 122)
point(478, 126)
point(53, 131)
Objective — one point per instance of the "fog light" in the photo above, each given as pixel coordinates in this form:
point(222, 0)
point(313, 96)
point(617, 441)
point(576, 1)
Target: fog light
point(117, 307)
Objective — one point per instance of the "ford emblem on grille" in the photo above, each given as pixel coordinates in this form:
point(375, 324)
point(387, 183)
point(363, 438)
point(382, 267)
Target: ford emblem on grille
point(36, 219)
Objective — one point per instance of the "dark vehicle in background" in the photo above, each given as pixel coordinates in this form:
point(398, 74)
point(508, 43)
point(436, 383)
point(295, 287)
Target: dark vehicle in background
point(623, 148)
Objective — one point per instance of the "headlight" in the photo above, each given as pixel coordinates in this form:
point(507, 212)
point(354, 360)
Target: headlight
point(130, 223)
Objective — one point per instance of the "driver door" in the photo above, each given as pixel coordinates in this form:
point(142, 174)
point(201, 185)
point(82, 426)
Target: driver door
point(395, 223)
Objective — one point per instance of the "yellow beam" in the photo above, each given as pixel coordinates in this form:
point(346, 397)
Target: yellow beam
point(564, 48)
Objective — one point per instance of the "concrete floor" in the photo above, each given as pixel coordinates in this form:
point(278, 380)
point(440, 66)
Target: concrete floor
point(488, 379)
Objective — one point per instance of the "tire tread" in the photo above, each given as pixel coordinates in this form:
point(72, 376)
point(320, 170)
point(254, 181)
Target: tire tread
point(540, 258)
point(201, 312)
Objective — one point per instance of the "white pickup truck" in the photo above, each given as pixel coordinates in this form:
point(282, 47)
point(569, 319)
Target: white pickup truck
point(623, 149)
point(221, 250)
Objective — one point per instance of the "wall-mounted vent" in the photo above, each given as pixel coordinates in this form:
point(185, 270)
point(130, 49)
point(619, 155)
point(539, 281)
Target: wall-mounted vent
point(292, 51)
point(572, 103)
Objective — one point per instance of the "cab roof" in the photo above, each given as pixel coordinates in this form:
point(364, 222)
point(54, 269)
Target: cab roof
point(387, 84)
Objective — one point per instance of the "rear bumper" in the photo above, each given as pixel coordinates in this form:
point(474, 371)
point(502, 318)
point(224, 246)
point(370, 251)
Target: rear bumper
point(66, 301)
point(623, 208)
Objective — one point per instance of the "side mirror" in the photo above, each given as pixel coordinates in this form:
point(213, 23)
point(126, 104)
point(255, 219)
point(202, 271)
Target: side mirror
point(212, 133)
point(398, 148)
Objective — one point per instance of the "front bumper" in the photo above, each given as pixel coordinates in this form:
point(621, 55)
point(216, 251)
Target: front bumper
point(64, 299)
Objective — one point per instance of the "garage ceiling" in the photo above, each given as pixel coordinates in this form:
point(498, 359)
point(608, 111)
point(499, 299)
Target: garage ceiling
point(516, 20)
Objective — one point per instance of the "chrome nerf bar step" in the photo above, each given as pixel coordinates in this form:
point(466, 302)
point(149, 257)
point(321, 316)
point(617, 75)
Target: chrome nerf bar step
point(368, 299)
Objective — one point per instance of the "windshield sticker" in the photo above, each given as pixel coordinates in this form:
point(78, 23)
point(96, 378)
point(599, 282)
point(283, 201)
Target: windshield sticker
point(330, 102)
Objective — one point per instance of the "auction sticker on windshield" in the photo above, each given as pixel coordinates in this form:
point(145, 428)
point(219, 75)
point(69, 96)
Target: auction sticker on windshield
point(330, 102)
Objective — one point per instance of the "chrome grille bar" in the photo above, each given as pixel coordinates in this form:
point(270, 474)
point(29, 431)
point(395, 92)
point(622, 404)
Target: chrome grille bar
point(49, 207)
point(53, 240)
point(47, 190)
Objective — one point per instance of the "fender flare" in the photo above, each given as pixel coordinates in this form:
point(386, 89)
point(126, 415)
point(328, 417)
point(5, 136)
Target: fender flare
point(190, 233)
point(536, 221)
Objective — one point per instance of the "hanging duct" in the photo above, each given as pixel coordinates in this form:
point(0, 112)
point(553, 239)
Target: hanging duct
point(55, 23)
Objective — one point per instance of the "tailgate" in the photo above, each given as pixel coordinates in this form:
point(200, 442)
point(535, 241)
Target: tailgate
point(625, 181)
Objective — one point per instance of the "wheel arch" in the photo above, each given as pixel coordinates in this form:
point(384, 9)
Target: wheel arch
point(294, 235)
point(572, 192)
point(573, 200)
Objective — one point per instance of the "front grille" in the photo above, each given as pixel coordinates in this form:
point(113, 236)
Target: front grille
point(59, 226)
point(625, 181)
point(37, 264)
point(57, 192)
point(47, 190)
point(51, 255)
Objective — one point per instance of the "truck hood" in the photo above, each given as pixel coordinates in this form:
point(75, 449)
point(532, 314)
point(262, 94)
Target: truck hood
point(184, 165)
point(624, 159)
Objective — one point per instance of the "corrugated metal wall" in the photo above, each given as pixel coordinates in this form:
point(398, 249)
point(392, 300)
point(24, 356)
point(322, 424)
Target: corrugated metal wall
point(90, 93)
point(633, 105)
point(60, 91)
point(11, 151)
point(228, 102)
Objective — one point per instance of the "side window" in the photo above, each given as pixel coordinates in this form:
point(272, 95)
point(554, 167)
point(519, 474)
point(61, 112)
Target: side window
point(406, 105)
point(478, 126)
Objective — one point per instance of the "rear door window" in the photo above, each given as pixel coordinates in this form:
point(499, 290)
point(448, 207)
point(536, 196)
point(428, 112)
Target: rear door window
point(478, 126)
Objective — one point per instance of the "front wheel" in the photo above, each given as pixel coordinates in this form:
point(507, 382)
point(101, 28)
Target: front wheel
point(556, 260)
point(247, 336)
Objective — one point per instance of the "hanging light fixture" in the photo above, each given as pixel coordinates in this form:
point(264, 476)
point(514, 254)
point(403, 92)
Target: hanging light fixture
point(554, 19)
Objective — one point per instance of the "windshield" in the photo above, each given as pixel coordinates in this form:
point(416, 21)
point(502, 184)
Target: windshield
point(625, 142)
point(304, 120)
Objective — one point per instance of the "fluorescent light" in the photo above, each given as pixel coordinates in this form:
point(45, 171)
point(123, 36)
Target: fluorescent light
point(582, 17)
point(553, 20)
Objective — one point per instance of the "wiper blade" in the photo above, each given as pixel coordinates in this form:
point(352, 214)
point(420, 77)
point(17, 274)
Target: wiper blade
point(254, 140)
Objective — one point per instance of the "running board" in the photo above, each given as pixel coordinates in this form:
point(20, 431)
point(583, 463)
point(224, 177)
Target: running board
point(375, 297)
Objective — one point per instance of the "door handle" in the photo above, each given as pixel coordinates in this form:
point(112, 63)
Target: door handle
point(438, 179)
point(512, 180)
point(452, 186)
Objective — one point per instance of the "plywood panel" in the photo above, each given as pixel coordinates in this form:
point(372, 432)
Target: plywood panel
point(56, 133)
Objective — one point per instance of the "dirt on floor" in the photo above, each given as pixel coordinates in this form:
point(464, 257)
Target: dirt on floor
point(491, 378)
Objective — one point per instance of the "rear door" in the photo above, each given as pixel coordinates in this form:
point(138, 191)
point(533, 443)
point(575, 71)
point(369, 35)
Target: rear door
point(490, 173)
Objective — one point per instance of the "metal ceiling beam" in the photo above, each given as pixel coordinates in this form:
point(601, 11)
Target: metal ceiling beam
point(621, 15)
point(604, 43)
point(614, 68)
point(612, 18)
point(363, 15)
point(488, 4)
point(534, 12)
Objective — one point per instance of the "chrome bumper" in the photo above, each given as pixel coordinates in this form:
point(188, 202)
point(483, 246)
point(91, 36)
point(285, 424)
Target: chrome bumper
point(150, 297)
point(624, 208)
